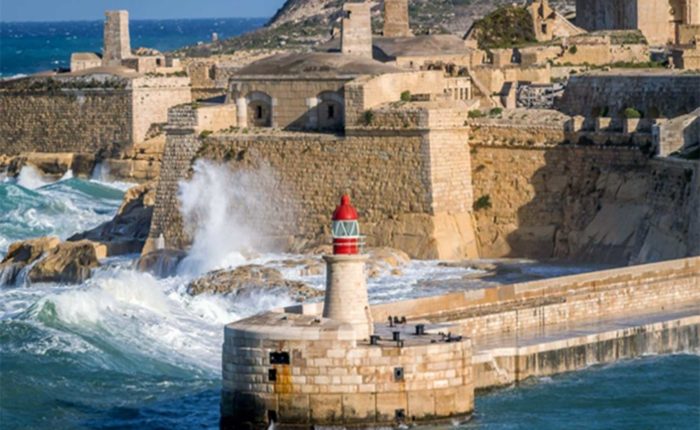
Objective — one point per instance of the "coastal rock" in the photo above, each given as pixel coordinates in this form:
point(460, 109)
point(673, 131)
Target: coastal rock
point(246, 279)
point(382, 260)
point(22, 254)
point(52, 164)
point(128, 231)
point(69, 262)
point(161, 262)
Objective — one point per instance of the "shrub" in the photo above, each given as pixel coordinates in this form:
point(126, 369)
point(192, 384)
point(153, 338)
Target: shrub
point(476, 113)
point(632, 113)
point(496, 111)
point(368, 117)
point(406, 96)
point(506, 27)
point(205, 133)
point(573, 50)
point(483, 202)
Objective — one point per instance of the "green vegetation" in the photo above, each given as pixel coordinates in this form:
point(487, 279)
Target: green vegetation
point(483, 202)
point(406, 96)
point(632, 113)
point(52, 85)
point(476, 113)
point(506, 27)
point(204, 134)
point(496, 111)
point(573, 50)
point(368, 117)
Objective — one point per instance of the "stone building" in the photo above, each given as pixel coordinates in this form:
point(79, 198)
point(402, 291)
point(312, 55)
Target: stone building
point(298, 91)
point(396, 21)
point(661, 21)
point(356, 29)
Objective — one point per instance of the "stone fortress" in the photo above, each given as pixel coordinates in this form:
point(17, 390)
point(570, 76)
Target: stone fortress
point(563, 148)
point(480, 142)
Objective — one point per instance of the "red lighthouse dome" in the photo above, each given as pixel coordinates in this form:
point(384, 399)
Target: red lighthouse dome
point(346, 229)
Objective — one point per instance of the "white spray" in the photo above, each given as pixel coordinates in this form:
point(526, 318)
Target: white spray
point(222, 210)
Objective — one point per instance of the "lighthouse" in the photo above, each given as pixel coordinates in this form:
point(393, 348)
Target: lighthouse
point(346, 281)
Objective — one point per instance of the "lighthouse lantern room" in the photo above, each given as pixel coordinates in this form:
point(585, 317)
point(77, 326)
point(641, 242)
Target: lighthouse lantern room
point(346, 229)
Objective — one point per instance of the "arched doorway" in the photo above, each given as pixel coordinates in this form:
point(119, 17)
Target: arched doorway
point(259, 109)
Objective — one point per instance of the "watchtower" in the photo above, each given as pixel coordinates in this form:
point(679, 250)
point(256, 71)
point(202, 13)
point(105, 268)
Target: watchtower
point(356, 38)
point(396, 18)
point(117, 43)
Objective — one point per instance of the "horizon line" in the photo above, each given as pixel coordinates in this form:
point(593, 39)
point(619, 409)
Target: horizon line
point(132, 19)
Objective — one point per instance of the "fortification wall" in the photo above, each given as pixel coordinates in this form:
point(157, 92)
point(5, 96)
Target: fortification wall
point(655, 94)
point(547, 199)
point(70, 120)
point(151, 98)
point(413, 186)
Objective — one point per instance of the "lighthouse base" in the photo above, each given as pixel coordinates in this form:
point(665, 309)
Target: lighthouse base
point(300, 371)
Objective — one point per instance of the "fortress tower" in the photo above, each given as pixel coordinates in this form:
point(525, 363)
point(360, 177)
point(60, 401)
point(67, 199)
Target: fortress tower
point(396, 19)
point(117, 43)
point(356, 38)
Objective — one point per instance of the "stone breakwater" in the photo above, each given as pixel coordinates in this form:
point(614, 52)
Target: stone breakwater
point(295, 368)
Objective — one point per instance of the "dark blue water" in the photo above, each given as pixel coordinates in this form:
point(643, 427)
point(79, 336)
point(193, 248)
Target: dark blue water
point(37, 46)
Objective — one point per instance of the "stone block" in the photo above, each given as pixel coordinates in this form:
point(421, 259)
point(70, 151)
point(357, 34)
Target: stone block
point(359, 408)
point(326, 408)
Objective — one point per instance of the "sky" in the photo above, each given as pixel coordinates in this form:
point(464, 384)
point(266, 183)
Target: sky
point(74, 10)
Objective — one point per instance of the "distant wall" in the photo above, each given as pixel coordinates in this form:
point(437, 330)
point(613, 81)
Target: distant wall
point(65, 120)
point(654, 93)
point(84, 114)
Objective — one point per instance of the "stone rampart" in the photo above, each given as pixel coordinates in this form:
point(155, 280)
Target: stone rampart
point(65, 120)
point(653, 93)
point(84, 114)
point(422, 207)
point(540, 196)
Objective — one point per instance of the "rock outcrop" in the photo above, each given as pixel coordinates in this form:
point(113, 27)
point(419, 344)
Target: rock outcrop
point(127, 232)
point(46, 259)
point(161, 262)
point(69, 262)
point(22, 254)
point(248, 279)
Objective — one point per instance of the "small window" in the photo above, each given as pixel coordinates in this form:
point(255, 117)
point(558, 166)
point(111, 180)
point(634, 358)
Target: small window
point(259, 112)
point(279, 358)
point(331, 111)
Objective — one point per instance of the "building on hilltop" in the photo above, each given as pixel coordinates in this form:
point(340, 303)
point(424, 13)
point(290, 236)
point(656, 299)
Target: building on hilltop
point(661, 21)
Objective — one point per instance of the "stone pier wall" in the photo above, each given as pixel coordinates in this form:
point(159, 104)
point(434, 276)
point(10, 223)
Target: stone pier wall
point(535, 305)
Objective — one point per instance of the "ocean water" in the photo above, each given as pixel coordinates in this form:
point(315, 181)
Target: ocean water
point(30, 47)
point(126, 350)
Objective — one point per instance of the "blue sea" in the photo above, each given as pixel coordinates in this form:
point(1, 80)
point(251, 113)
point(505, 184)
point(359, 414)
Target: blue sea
point(30, 47)
point(125, 350)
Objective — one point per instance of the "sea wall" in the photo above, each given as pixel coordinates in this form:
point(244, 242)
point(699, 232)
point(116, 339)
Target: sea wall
point(535, 305)
point(505, 366)
point(546, 198)
point(654, 93)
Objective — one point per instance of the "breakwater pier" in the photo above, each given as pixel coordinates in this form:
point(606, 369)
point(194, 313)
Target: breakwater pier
point(343, 363)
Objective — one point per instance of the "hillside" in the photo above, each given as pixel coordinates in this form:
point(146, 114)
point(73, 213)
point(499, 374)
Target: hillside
point(300, 24)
